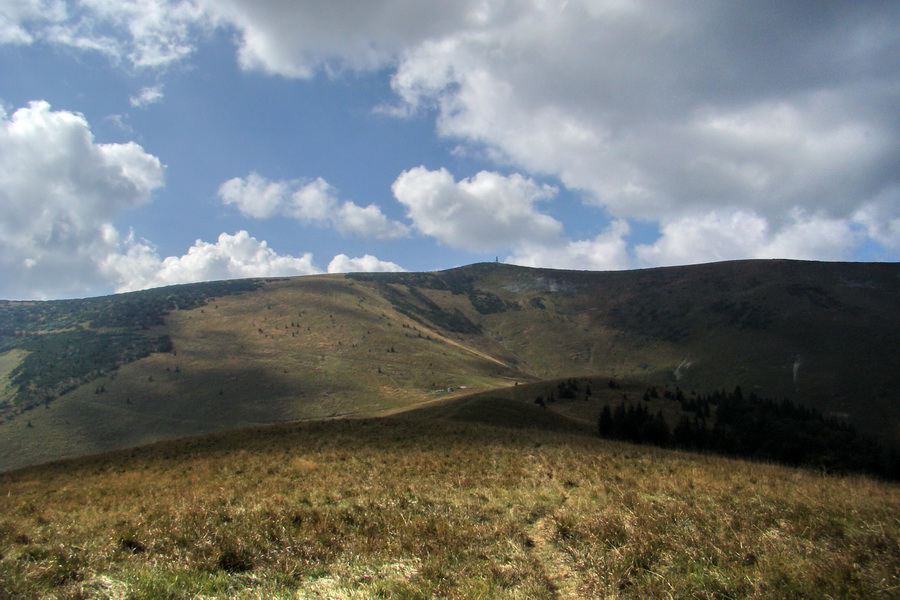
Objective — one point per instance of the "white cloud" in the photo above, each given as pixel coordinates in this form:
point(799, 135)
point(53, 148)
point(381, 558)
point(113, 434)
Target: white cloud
point(255, 196)
point(314, 202)
point(880, 221)
point(235, 256)
point(60, 192)
point(17, 15)
point(367, 221)
point(607, 251)
point(486, 212)
point(148, 33)
point(368, 263)
point(296, 39)
point(147, 96)
point(814, 238)
point(724, 236)
point(655, 110)
point(637, 105)
point(493, 212)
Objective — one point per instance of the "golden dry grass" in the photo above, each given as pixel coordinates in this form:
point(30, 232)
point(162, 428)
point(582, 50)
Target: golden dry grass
point(394, 508)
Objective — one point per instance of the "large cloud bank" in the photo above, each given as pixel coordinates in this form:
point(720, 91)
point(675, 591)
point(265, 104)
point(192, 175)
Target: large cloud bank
point(777, 120)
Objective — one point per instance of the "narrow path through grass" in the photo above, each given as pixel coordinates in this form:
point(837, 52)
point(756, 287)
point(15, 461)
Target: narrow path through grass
point(556, 564)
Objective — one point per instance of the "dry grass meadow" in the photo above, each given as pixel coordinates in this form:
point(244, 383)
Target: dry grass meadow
point(400, 508)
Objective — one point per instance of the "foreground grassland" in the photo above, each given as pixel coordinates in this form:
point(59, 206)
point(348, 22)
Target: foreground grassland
point(396, 508)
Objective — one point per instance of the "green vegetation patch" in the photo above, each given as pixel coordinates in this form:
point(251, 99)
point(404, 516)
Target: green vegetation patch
point(10, 360)
point(59, 362)
point(134, 310)
point(71, 342)
point(416, 305)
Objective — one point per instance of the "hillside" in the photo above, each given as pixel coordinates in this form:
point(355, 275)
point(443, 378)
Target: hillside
point(85, 376)
point(413, 508)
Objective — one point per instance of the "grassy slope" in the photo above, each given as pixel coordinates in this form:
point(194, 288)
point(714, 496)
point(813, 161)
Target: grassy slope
point(817, 333)
point(305, 348)
point(8, 361)
point(741, 323)
point(413, 508)
point(514, 406)
point(312, 347)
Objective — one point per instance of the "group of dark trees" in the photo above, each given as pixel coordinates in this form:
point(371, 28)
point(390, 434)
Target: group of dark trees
point(569, 389)
point(634, 423)
point(733, 424)
point(61, 362)
point(132, 311)
point(72, 342)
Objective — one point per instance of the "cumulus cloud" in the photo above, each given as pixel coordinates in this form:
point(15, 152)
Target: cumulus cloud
point(60, 192)
point(296, 39)
point(255, 196)
point(367, 263)
point(607, 251)
point(315, 202)
point(494, 212)
point(714, 236)
point(486, 212)
point(235, 256)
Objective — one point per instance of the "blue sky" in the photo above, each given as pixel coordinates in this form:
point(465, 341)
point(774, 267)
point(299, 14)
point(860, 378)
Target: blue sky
point(152, 142)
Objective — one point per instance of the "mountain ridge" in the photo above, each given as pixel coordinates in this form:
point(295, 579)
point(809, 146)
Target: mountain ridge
point(206, 357)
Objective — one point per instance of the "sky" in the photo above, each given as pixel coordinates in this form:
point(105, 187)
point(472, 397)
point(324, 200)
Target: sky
point(152, 142)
